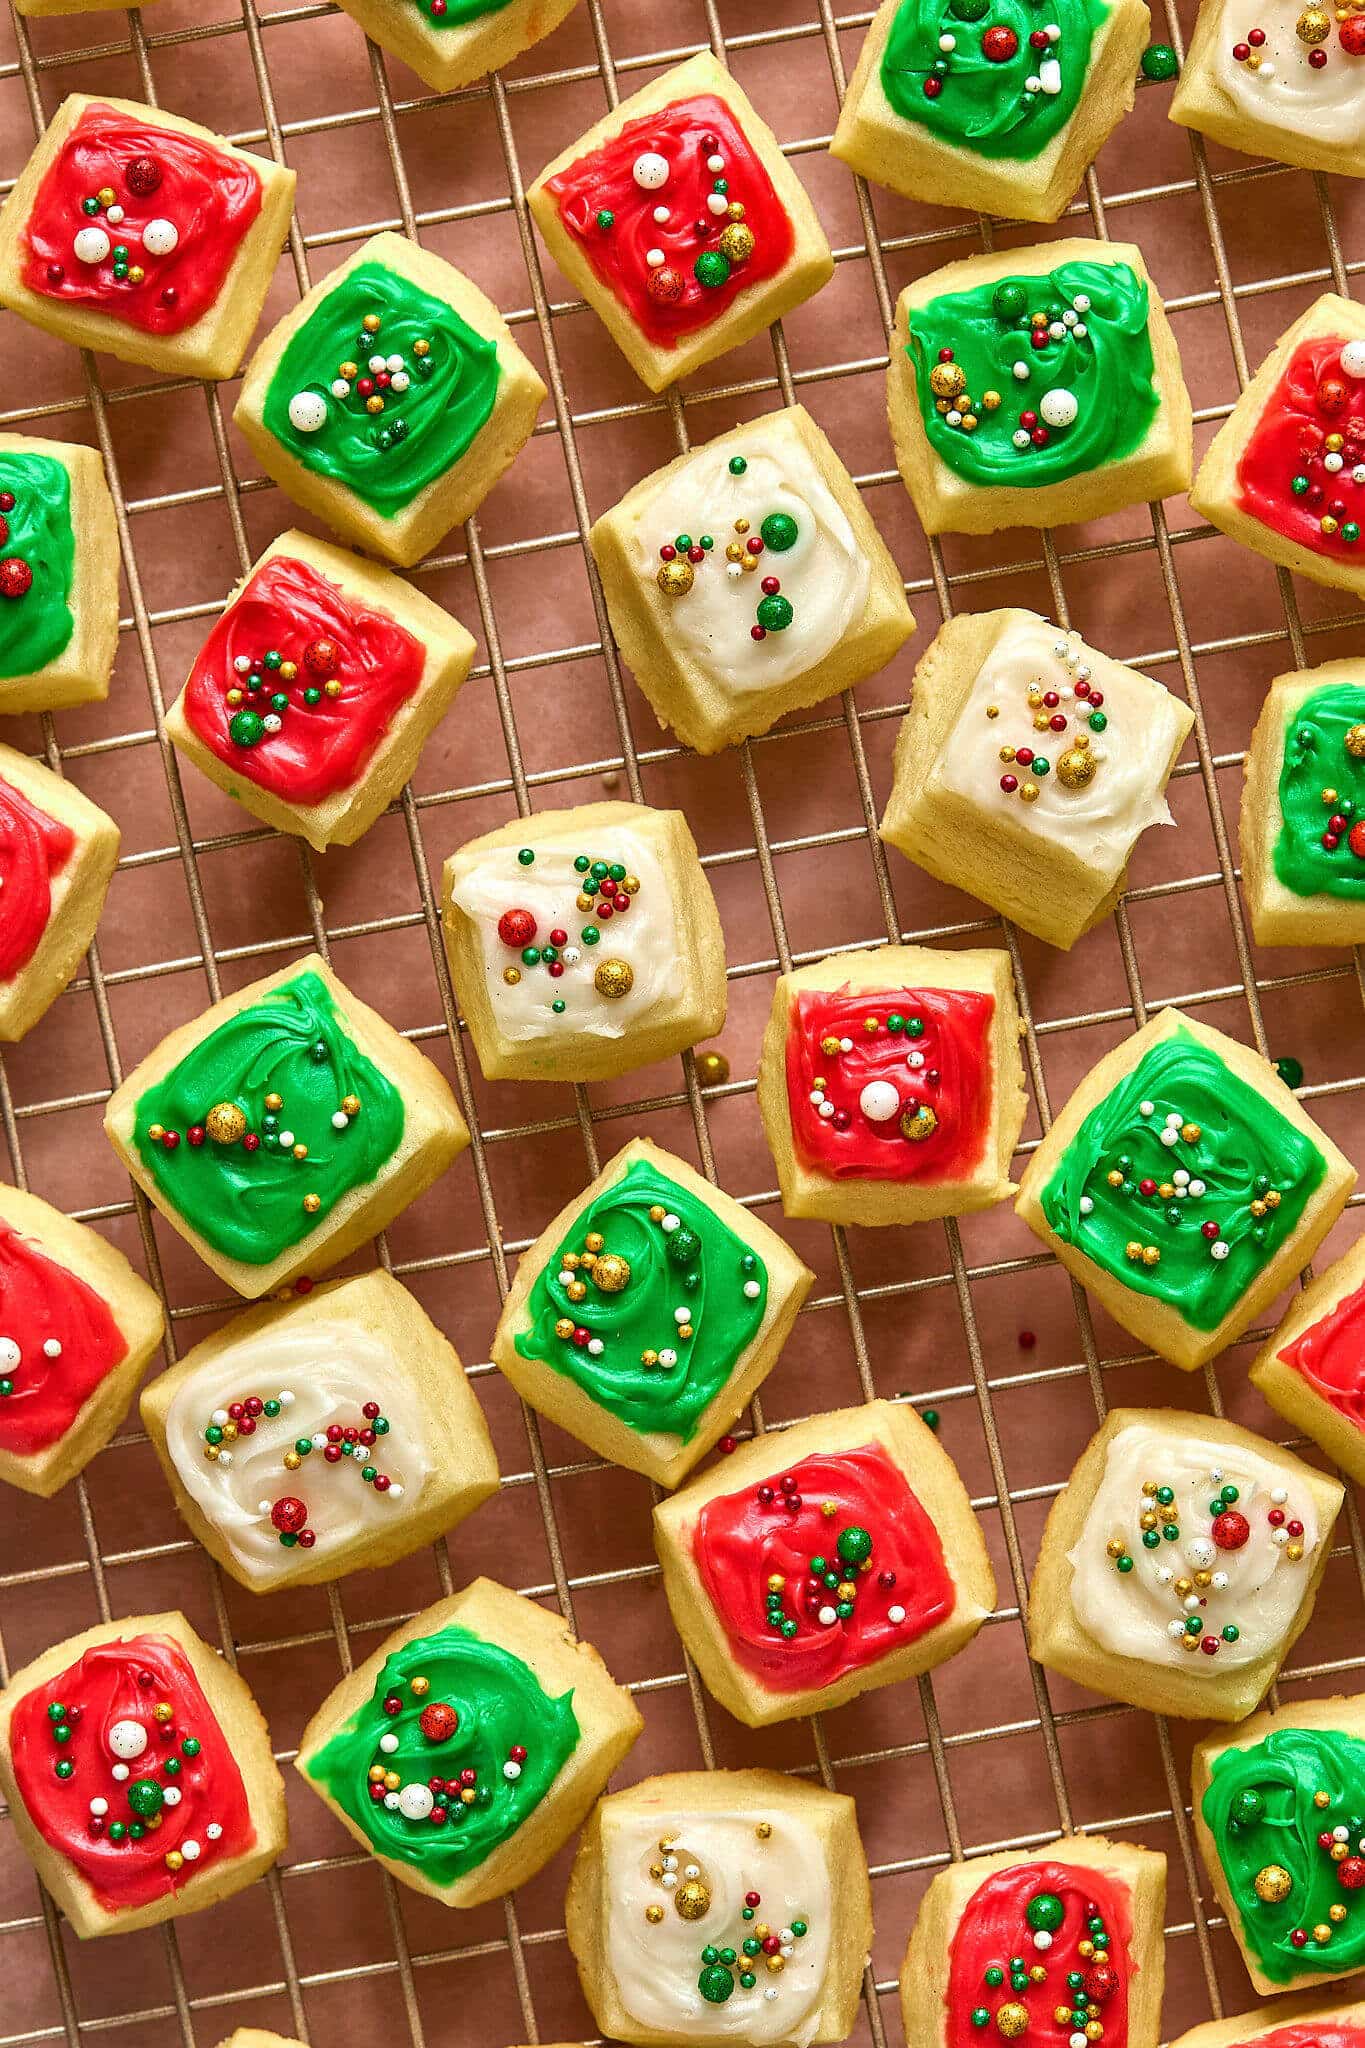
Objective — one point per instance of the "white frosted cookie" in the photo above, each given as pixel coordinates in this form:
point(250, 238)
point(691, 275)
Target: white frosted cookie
point(583, 943)
point(1280, 79)
point(1028, 767)
point(364, 1438)
point(681, 1881)
point(784, 593)
point(1180, 1563)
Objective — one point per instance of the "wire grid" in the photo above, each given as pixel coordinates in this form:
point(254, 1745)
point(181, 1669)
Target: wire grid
point(192, 2016)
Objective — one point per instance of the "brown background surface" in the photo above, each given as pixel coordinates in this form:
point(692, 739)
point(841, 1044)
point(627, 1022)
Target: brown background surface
point(988, 1753)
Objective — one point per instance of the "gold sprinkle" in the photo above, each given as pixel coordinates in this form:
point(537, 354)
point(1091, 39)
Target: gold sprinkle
point(312, 1203)
point(654, 1914)
point(763, 1830)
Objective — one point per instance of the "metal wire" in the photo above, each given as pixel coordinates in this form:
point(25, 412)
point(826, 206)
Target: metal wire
point(754, 845)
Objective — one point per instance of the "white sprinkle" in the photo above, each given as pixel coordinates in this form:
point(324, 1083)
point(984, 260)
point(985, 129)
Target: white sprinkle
point(1353, 359)
point(319, 1440)
point(1086, 1205)
point(1042, 1939)
point(668, 1356)
point(1020, 438)
point(1032, 84)
point(1280, 1495)
point(388, 1742)
point(716, 202)
point(715, 163)
point(650, 170)
point(128, 1739)
point(1174, 1120)
point(1147, 1108)
point(682, 1315)
point(670, 1222)
point(91, 245)
point(1333, 463)
point(393, 364)
point(391, 1801)
point(1164, 1575)
point(272, 721)
point(263, 1507)
point(377, 363)
point(399, 381)
point(692, 1870)
point(947, 44)
point(845, 1045)
point(1082, 302)
point(286, 1138)
point(114, 215)
point(395, 1492)
point(1175, 1629)
point(669, 1879)
point(1279, 1537)
point(172, 1795)
point(242, 664)
point(1220, 1582)
point(1191, 1603)
point(1197, 1188)
point(190, 1849)
point(120, 1771)
point(307, 412)
point(340, 388)
point(825, 1108)
point(954, 418)
point(10, 1354)
point(1056, 331)
point(827, 1617)
point(1169, 1137)
point(1219, 1248)
point(880, 1101)
point(752, 1290)
point(654, 258)
point(511, 1769)
point(213, 1830)
point(1021, 373)
point(1079, 332)
point(1050, 78)
point(896, 1614)
point(160, 237)
point(1069, 318)
point(99, 1806)
point(595, 1349)
point(661, 215)
point(415, 1802)
point(340, 1120)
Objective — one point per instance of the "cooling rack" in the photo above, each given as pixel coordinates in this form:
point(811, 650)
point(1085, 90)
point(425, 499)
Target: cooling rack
point(968, 1319)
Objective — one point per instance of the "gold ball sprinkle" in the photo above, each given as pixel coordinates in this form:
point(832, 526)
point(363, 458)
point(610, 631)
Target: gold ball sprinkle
point(564, 1328)
point(763, 1830)
point(226, 1123)
point(675, 578)
point(713, 1068)
point(420, 1687)
point(1313, 26)
point(511, 975)
point(174, 1859)
point(331, 688)
point(1355, 742)
point(371, 323)
point(611, 1273)
point(1322, 1799)
point(692, 1900)
point(737, 242)
point(1011, 2019)
point(947, 380)
point(614, 979)
point(163, 1711)
point(654, 1914)
point(1273, 1882)
point(1076, 767)
point(312, 1203)
point(919, 1124)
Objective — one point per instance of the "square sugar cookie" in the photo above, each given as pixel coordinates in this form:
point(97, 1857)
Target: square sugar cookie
point(283, 1127)
point(620, 212)
point(786, 594)
point(133, 231)
point(1298, 98)
point(272, 1503)
point(891, 1084)
point(390, 401)
point(258, 2037)
point(1012, 782)
point(484, 1682)
point(1312, 1370)
point(59, 565)
point(1279, 1807)
point(1168, 1575)
point(57, 857)
point(79, 1327)
point(1184, 1187)
point(1285, 473)
point(596, 1332)
point(1092, 417)
point(872, 1495)
point(1012, 135)
point(450, 43)
point(638, 1923)
point(314, 694)
point(1302, 843)
point(1287, 2023)
point(138, 1773)
point(583, 943)
point(978, 1913)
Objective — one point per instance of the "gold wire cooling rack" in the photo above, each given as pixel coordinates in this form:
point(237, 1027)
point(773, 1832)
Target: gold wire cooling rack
point(987, 1753)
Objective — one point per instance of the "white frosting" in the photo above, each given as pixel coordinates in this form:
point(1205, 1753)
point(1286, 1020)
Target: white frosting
point(1257, 1588)
point(1126, 794)
point(646, 937)
point(657, 1966)
point(824, 573)
point(1284, 90)
point(331, 1369)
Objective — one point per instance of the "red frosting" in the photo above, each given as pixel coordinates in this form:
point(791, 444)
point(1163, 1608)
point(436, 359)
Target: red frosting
point(41, 1303)
point(209, 197)
point(686, 134)
point(953, 1081)
point(1314, 398)
point(994, 1927)
point(1331, 1356)
point(742, 1540)
point(126, 1680)
point(33, 848)
point(323, 747)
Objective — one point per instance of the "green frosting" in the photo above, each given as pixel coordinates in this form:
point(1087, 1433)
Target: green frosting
point(975, 101)
point(386, 458)
point(1261, 1808)
point(1106, 1195)
point(663, 1250)
point(458, 13)
point(37, 627)
point(499, 1707)
point(1102, 358)
point(1316, 758)
point(247, 1200)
